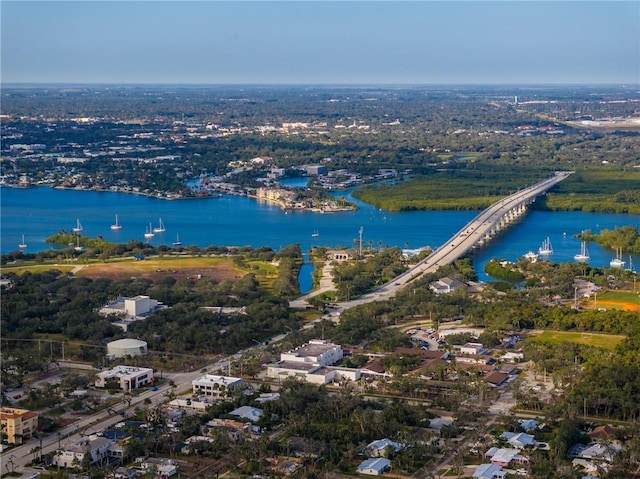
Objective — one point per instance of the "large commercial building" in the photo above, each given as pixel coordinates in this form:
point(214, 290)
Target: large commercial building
point(127, 310)
point(126, 377)
point(17, 424)
point(215, 386)
point(316, 351)
point(312, 362)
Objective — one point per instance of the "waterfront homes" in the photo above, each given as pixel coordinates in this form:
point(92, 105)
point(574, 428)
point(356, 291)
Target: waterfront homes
point(17, 424)
point(127, 310)
point(211, 385)
point(126, 378)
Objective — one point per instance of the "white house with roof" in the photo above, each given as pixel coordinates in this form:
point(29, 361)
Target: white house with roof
point(252, 414)
point(446, 285)
point(440, 422)
point(519, 440)
point(127, 377)
point(380, 448)
point(595, 451)
point(82, 453)
point(374, 466)
point(160, 467)
point(505, 456)
point(489, 471)
point(215, 386)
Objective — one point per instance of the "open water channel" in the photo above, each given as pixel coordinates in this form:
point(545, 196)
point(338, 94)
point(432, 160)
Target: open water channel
point(37, 213)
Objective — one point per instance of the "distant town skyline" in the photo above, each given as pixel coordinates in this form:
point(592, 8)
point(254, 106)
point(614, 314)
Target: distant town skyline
point(321, 42)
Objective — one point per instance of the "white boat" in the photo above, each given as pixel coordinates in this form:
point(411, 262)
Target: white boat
point(546, 247)
point(177, 242)
point(116, 225)
point(149, 232)
point(78, 227)
point(315, 233)
point(78, 247)
point(583, 255)
point(160, 228)
point(617, 261)
point(22, 244)
point(531, 256)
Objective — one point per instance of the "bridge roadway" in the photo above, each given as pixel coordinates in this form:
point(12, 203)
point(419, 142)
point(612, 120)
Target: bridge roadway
point(475, 233)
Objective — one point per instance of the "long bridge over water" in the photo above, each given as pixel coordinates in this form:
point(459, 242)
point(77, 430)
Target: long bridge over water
point(474, 234)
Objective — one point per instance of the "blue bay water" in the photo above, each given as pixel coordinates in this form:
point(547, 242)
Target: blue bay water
point(37, 213)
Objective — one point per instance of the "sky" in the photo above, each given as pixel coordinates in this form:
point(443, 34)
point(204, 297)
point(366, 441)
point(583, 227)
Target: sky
point(320, 42)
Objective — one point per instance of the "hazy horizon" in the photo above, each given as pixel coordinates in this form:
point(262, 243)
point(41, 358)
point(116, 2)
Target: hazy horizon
point(321, 42)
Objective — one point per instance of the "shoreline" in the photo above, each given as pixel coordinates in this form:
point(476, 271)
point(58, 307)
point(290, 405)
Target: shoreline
point(279, 204)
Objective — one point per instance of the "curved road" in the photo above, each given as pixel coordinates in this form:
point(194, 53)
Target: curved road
point(460, 243)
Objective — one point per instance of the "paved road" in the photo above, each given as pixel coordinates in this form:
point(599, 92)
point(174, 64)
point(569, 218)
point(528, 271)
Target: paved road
point(471, 235)
point(17, 458)
point(326, 284)
point(22, 455)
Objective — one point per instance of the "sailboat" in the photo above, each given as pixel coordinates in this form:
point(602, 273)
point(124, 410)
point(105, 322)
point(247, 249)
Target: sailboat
point(177, 242)
point(22, 244)
point(160, 228)
point(617, 261)
point(78, 227)
point(630, 268)
point(546, 247)
point(149, 232)
point(583, 255)
point(116, 225)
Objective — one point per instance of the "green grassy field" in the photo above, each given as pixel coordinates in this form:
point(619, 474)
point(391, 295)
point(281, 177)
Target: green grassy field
point(628, 297)
point(602, 341)
point(37, 268)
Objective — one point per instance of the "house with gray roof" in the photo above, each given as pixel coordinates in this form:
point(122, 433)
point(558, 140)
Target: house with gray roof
point(374, 466)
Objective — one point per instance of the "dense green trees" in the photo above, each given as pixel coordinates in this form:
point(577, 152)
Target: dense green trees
point(625, 238)
point(52, 303)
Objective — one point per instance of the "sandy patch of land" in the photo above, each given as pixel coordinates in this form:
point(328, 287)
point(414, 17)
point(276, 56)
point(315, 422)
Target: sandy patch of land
point(618, 305)
point(158, 269)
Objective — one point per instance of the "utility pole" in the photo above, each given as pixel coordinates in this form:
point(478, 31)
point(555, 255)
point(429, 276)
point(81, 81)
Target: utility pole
point(361, 229)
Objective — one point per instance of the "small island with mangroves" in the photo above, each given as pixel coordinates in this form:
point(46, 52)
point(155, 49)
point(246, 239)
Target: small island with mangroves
point(470, 154)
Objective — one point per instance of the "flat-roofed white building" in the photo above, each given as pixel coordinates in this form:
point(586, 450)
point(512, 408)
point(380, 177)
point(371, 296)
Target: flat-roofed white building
point(316, 351)
point(127, 310)
point(127, 377)
point(472, 348)
point(312, 363)
point(215, 386)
